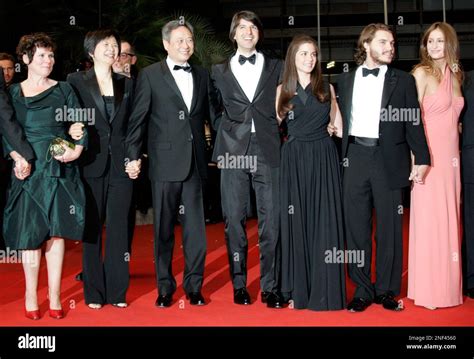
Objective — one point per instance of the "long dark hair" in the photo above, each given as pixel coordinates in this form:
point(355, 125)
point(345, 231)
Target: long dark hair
point(290, 76)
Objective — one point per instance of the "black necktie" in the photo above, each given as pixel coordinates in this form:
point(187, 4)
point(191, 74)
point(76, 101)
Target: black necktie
point(366, 72)
point(250, 59)
point(185, 68)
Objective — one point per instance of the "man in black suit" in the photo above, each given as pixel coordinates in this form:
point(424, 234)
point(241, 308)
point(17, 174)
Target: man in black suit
point(247, 150)
point(13, 132)
point(23, 153)
point(175, 97)
point(468, 182)
point(376, 161)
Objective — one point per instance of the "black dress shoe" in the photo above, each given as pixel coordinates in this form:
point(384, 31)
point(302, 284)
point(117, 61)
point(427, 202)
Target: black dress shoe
point(79, 277)
point(358, 304)
point(164, 301)
point(272, 299)
point(388, 301)
point(241, 296)
point(195, 298)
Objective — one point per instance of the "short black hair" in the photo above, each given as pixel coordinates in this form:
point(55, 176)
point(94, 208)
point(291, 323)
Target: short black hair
point(94, 37)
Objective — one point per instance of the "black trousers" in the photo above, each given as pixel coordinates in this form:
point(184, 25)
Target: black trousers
point(365, 187)
point(468, 243)
point(108, 198)
point(236, 184)
point(183, 199)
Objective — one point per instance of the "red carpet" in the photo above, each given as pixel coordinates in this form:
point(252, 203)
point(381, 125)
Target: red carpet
point(217, 290)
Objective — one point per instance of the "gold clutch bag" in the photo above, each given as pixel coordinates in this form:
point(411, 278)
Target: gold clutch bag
point(56, 147)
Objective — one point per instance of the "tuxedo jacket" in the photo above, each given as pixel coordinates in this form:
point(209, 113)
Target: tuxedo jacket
point(105, 137)
point(176, 135)
point(10, 129)
point(396, 138)
point(468, 129)
point(234, 112)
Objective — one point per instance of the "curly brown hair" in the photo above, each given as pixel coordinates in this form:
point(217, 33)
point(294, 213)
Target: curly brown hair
point(29, 43)
point(366, 36)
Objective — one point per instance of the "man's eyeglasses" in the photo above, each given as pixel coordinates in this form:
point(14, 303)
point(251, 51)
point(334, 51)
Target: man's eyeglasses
point(124, 55)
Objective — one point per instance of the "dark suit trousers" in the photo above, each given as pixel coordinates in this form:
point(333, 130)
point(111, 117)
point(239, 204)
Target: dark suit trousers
point(171, 199)
point(235, 187)
point(106, 278)
point(365, 187)
point(468, 245)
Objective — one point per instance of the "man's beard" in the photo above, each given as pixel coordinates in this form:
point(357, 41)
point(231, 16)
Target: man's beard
point(378, 58)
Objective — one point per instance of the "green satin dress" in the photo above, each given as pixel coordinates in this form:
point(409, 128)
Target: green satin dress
point(51, 201)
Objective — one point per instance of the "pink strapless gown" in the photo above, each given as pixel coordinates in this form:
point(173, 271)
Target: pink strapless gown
point(434, 257)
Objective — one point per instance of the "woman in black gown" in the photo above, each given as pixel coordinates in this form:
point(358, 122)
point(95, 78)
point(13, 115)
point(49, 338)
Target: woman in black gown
point(311, 205)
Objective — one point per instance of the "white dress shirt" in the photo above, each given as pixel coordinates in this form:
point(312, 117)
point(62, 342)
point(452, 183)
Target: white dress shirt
point(248, 75)
point(184, 81)
point(366, 102)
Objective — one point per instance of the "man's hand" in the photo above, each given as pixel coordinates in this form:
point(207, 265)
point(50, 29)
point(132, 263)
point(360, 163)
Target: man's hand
point(76, 131)
point(418, 173)
point(22, 168)
point(133, 168)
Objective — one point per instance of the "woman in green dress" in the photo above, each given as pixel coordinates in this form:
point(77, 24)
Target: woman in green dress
point(48, 205)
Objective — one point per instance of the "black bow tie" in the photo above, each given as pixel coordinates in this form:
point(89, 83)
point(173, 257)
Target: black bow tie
point(366, 72)
point(185, 68)
point(250, 59)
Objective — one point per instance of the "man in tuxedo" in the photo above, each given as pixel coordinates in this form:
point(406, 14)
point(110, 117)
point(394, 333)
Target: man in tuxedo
point(376, 149)
point(468, 182)
point(175, 97)
point(247, 150)
point(23, 153)
point(13, 133)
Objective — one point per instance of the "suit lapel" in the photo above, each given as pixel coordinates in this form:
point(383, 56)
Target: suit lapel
point(230, 79)
point(172, 83)
point(196, 83)
point(388, 86)
point(268, 67)
point(93, 85)
point(348, 99)
point(119, 86)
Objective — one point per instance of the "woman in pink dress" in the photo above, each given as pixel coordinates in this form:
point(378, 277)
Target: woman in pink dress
point(434, 261)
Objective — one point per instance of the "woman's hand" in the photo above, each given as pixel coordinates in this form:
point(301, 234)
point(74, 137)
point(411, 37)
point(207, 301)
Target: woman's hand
point(76, 131)
point(331, 129)
point(70, 154)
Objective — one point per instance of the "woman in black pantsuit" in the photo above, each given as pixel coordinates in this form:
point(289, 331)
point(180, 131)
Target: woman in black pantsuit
point(107, 99)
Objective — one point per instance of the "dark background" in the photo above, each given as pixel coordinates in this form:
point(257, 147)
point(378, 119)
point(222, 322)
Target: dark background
point(141, 21)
